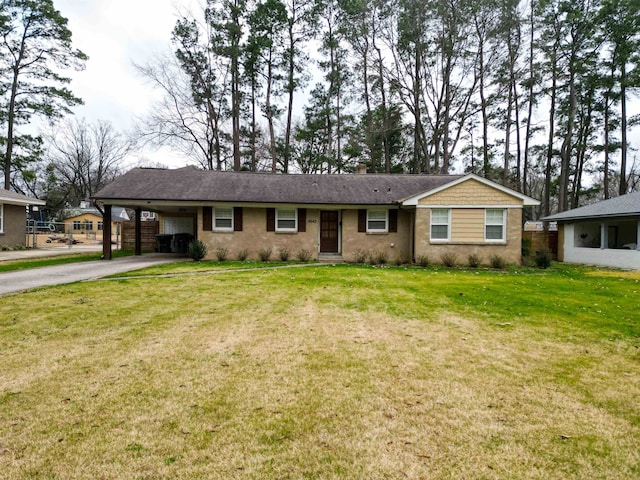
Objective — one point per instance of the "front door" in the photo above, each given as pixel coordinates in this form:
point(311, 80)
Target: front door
point(329, 232)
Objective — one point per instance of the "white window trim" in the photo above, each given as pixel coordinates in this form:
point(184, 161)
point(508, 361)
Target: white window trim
point(386, 221)
point(503, 225)
point(295, 216)
point(213, 219)
point(1, 217)
point(431, 225)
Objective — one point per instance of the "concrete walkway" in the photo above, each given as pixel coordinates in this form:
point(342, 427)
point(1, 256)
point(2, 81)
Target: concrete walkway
point(20, 280)
point(47, 252)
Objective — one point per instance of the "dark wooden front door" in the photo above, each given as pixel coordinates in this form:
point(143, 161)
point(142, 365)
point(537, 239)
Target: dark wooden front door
point(329, 232)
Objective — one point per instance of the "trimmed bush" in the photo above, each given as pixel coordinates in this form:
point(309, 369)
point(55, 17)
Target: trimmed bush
point(243, 254)
point(196, 250)
point(265, 254)
point(497, 262)
point(284, 254)
point(222, 254)
point(448, 259)
point(474, 261)
point(304, 255)
point(543, 258)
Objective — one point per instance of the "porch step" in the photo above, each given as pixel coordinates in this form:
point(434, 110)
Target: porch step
point(330, 258)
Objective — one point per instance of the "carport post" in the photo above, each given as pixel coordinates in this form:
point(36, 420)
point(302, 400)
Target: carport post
point(106, 233)
point(138, 224)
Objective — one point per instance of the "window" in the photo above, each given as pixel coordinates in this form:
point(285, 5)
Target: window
point(440, 222)
point(286, 220)
point(100, 226)
point(223, 218)
point(77, 225)
point(88, 226)
point(1, 218)
point(494, 225)
point(377, 220)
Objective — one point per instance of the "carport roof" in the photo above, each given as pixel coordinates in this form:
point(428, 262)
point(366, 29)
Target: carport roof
point(623, 206)
point(189, 184)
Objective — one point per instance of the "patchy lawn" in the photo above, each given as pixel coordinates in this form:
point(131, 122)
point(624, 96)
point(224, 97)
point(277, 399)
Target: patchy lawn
point(324, 372)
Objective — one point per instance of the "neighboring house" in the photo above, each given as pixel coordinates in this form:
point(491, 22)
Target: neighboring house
point(606, 233)
point(401, 216)
point(88, 220)
point(13, 217)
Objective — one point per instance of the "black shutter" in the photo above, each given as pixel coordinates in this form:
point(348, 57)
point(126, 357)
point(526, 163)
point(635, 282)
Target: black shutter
point(302, 219)
point(362, 220)
point(393, 221)
point(237, 219)
point(207, 219)
point(271, 219)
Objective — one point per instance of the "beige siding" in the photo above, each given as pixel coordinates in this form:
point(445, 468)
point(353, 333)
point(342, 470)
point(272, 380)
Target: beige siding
point(470, 192)
point(467, 225)
point(509, 250)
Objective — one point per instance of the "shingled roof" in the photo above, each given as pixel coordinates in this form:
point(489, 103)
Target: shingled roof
point(191, 184)
point(623, 206)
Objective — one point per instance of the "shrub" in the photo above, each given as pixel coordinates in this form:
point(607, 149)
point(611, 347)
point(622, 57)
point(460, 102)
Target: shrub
point(304, 255)
point(284, 254)
point(423, 260)
point(222, 254)
point(378, 258)
point(265, 254)
point(497, 261)
point(360, 256)
point(474, 261)
point(448, 259)
point(243, 254)
point(197, 250)
point(402, 259)
point(543, 258)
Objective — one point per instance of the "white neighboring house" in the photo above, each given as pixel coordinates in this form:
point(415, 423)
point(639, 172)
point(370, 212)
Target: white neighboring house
point(606, 233)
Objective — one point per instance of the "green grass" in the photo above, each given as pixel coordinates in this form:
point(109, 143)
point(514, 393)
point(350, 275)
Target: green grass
point(324, 372)
point(13, 265)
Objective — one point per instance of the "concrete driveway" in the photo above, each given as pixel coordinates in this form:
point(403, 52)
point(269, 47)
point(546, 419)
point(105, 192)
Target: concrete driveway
point(74, 272)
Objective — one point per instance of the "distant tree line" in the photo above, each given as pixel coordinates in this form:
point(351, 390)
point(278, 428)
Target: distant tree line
point(533, 94)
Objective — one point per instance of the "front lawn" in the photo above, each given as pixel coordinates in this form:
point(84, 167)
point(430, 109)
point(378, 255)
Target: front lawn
point(324, 372)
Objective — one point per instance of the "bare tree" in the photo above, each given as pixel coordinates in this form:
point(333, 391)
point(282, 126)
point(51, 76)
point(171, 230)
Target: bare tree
point(178, 121)
point(84, 157)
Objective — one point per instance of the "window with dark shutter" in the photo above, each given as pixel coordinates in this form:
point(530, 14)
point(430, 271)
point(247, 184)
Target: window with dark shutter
point(207, 219)
point(393, 221)
point(237, 219)
point(362, 220)
point(271, 219)
point(302, 220)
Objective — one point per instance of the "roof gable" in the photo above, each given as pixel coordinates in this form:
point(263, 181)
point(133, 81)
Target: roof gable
point(526, 201)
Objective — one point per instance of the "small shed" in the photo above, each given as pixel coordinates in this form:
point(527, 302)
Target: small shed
point(606, 233)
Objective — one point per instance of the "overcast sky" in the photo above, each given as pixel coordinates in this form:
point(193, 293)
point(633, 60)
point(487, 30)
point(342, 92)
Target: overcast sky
point(115, 34)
